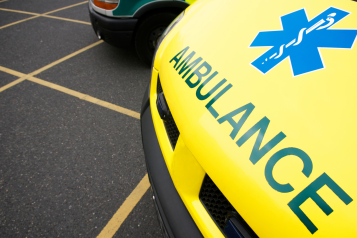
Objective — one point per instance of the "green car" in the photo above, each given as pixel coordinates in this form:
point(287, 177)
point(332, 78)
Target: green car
point(122, 23)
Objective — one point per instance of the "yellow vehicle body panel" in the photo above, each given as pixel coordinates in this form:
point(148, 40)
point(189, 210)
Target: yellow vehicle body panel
point(190, 1)
point(312, 116)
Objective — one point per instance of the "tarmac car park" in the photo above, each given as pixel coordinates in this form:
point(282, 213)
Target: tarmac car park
point(123, 23)
point(249, 122)
point(71, 158)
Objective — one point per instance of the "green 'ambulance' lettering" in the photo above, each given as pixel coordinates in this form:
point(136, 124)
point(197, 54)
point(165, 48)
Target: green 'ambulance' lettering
point(199, 74)
point(209, 105)
point(262, 127)
point(258, 152)
point(237, 125)
point(180, 55)
point(286, 188)
point(311, 192)
point(207, 95)
point(186, 66)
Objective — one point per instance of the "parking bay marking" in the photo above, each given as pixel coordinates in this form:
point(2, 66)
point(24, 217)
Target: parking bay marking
point(36, 15)
point(128, 205)
point(122, 213)
point(82, 96)
point(85, 97)
point(130, 202)
point(65, 58)
point(39, 14)
point(18, 11)
point(63, 8)
point(18, 74)
point(14, 23)
point(66, 19)
point(13, 83)
point(13, 72)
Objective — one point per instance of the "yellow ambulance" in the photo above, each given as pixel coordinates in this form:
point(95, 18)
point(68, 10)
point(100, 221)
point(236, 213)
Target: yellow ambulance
point(250, 118)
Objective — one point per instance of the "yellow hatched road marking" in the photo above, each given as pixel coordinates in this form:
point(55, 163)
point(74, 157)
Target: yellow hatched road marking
point(18, 74)
point(13, 72)
point(44, 15)
point(85, 97)
point(12, 84)
point(130, 202)
point(39, 14)
point(65, 58)
point(63, 8)
point(17, 11)
point(67, 19)
point(17, 22)
point(63, 89)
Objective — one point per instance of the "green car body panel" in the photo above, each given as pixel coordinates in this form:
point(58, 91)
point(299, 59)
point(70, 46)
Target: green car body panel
point(134, 22)
point(129, 7)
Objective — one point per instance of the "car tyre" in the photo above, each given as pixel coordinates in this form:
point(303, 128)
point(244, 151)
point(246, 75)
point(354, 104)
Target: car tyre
point(149, 32)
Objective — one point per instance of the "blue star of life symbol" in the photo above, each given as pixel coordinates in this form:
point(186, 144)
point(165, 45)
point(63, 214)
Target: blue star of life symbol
point(301, 39)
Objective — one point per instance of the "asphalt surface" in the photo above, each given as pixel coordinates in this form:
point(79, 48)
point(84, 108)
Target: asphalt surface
point(67, 165)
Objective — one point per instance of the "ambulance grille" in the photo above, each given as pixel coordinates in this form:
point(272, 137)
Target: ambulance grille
point(219, 207)
point(170, 125)
point(159, 88)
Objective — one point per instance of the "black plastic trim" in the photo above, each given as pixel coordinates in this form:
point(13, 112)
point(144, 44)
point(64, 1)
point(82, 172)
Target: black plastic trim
point(115, 31)
point(146, 100)
point(176, 218)
point(160, 4)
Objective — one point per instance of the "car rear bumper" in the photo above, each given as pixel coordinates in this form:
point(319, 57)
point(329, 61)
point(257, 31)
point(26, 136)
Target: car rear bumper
point(115, 31)
point(173, 215)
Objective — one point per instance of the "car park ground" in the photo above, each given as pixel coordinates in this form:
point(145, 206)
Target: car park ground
point(71, 158)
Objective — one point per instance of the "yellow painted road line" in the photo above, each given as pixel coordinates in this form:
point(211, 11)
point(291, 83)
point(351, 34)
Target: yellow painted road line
point(12, 84)
point(66, 19)
point(60, 9)
point(65, 58)
point(14, 23)
point(39, 14)
point(85, 97)
point(17, 11)
point(3, 0)
point(115, 107)
point(44, 15)
point(119, 217)
point(63, 89)
point(13, 72)
point(68, 91)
